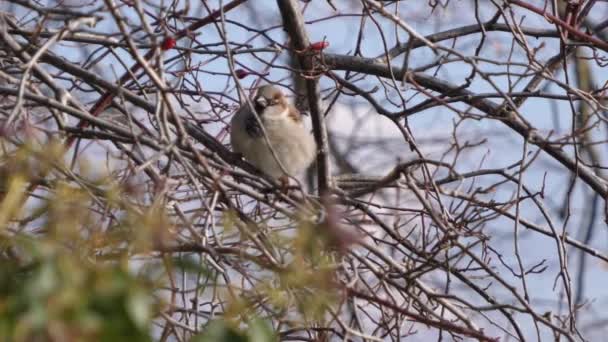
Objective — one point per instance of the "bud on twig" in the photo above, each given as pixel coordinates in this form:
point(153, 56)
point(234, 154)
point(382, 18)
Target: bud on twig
point(241, 73)
point(319, 46)
point(168, 43)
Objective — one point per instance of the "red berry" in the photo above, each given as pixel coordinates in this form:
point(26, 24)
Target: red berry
point(240, 73)
point(318, 46)
point(168, 43)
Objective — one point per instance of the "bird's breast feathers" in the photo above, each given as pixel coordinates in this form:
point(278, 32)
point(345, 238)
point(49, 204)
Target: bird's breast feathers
point(289, 138)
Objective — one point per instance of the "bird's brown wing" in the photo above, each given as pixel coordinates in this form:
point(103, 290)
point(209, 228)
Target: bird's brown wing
point(252, 126)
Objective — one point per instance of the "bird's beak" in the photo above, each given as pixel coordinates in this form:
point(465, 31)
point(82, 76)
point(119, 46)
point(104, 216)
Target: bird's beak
point(261, 103)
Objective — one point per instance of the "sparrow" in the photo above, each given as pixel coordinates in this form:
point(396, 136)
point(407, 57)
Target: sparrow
point(291, 141)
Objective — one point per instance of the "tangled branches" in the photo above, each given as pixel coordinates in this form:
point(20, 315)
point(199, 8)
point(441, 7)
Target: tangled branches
point(460, 186)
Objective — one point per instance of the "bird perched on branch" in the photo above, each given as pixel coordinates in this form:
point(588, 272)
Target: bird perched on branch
point(291, 141)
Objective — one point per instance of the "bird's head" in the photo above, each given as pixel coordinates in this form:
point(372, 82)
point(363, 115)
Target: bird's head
point(270, 103)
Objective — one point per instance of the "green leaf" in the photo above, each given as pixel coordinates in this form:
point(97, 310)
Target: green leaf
point(138, 306)
point(260, 331)
point(190, 264)
point(46, 282)
point(219, 331)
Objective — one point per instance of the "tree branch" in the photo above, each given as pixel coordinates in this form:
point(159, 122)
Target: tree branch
point(492, 109)
point(294, 24)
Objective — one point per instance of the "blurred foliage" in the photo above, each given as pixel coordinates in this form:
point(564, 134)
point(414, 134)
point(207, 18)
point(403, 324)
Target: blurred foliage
point(67, 271)
point(257, 330)
point(60, 296)
point(52, 287)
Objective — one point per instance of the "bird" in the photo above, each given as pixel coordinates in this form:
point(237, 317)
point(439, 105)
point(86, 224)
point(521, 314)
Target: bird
point(291, 141)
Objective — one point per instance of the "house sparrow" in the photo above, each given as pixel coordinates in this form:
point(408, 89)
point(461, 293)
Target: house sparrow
point(293, 144)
